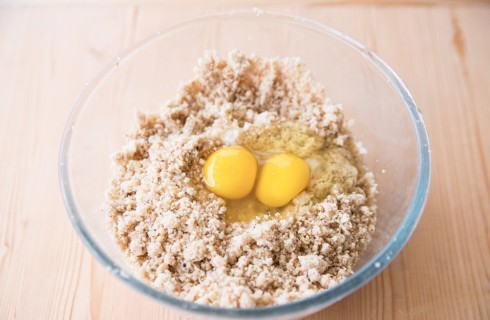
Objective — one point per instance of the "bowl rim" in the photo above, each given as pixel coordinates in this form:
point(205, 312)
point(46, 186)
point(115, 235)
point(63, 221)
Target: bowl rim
point(309, 304)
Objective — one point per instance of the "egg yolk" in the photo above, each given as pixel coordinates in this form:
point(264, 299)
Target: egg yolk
point(230, 172)
point(281, 178)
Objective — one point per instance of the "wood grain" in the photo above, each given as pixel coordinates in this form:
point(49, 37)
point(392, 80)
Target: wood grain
point(226, 3)
point(48, 52)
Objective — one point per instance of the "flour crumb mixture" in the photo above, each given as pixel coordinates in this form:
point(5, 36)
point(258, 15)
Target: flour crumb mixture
point(176, 234)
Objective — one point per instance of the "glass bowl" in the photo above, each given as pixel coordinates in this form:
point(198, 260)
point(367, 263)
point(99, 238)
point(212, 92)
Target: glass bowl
point(387, 122)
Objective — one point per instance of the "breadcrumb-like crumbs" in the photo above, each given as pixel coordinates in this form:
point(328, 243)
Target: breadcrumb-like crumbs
point(173, 230)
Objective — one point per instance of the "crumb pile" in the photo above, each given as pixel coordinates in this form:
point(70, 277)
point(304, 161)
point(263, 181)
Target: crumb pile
point(173, 230)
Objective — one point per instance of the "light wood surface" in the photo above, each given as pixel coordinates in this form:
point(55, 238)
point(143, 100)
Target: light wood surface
point(50, 49)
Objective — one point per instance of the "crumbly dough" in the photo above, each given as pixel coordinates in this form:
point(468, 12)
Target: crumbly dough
point(173, 230)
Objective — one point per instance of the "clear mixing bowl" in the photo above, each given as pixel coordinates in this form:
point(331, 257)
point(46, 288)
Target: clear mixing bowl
point(387, 122)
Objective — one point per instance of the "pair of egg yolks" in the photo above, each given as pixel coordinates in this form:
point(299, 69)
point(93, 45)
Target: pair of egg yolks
point(231, 172)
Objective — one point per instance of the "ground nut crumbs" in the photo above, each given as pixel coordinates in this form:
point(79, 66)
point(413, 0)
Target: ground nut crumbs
point(173, 230)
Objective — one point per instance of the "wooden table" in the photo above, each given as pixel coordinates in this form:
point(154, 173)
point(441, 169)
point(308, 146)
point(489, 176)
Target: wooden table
point(50, 49)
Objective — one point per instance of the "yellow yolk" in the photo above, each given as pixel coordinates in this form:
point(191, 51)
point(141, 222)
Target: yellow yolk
point(281, 178)
point(230, 172)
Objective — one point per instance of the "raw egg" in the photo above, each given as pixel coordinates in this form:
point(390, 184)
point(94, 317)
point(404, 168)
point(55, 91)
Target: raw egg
point(281, 178)
point(230, 172)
